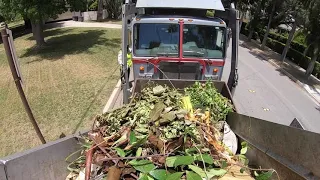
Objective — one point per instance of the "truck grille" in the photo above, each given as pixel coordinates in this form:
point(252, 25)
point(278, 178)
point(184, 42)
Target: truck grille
point(180, 70)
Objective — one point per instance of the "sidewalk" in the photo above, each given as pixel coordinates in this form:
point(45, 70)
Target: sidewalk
point(287, 68)
point(83, 24)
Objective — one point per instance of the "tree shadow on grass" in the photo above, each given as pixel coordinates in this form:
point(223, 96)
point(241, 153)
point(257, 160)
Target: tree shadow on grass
point(54, 32)
point(66, 44)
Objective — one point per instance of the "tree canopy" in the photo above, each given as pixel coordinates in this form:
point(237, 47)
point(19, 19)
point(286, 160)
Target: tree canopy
point(38, 11)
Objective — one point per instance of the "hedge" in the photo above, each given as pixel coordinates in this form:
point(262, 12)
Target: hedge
point(294, 55)
point(295, 45)
point(277, 43)
point(246, 32)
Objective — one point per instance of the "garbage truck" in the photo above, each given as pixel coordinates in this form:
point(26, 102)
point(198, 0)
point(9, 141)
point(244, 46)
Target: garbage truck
point(174, 43)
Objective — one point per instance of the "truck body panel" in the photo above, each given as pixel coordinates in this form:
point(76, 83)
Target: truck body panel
point(201, 4)
point(43, 162)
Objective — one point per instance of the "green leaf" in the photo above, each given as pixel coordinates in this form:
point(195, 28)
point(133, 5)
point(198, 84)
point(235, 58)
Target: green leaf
point(133, 137)
point(244, 143)
point(139, 152)
point(191, 150)
point(145, 177)
point(140, 142)
point(255, 173)
point(265, 175)
point(170, 116)
point(144, 166)
point(224, 164)
point(206, 158)
point(158, 90)
point(216, 172)
point(159, 174)
point(120, 152)
point(156, 111)
point(193, 176)
point(242, 170)
point(175, 176)
point(198, 171)
point(170, 161)
point(175, 161)
point(244, 150)
point(139, 162)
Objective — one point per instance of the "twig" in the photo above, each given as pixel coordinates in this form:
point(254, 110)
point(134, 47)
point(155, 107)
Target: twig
point(254, 169)
point(133, 175)
point(204, 164)
point(88, 164)
point(136, 157)
point(164, 151)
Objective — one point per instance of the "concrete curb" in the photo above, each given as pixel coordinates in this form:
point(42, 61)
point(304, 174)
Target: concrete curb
point(299, 83)
point(112, 98)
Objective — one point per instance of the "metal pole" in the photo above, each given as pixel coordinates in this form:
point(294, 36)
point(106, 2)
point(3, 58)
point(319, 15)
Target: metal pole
point(17, 81)
point(125, 87)
point(234, 23)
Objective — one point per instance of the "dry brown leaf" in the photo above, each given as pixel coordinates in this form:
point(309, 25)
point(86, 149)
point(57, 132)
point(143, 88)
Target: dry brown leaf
point(127, 171)
point(97, 157)
point(114, 173)
point(173, 145)
point(154, 140)
point(98, 139)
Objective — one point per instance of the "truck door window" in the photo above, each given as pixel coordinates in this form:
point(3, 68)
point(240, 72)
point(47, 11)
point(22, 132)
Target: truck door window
point(203, 41)
point(152, 39)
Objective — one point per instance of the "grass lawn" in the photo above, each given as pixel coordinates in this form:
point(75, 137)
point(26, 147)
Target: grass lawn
point(67, 83)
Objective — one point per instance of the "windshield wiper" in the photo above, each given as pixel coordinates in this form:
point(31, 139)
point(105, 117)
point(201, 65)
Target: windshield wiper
point(167, 54)
point(195, 53)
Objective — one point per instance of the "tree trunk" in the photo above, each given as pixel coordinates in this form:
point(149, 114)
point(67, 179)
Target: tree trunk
point(290, 38)
point(306, 50)
point(253, 21)
point(313, 61)
point(268, 28)
point(100, 11)
point(27, 23)
point(37, 30)
point(241, 21)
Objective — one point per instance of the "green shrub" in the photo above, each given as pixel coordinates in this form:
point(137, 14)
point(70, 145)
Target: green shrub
point(275, 45)
point(300, 37)
point(294, 44)
point(93, 5)
point(299, 47)
point(278, 37)
point(298, 58)
point(246, 32)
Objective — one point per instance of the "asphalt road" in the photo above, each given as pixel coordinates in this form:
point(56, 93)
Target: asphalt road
point(265, 93)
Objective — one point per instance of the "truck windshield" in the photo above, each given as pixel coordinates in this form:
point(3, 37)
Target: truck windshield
point(156, 40)
point(203, 41)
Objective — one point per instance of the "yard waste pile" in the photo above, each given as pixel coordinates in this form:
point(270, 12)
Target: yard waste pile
point(163, 133)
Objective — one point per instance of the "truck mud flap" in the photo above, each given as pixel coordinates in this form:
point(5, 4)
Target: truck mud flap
point(43, 162)
point(294, 153)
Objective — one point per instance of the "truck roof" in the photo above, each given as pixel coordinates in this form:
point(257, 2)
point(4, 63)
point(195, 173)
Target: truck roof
point(210, 21)
point(181, 4)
